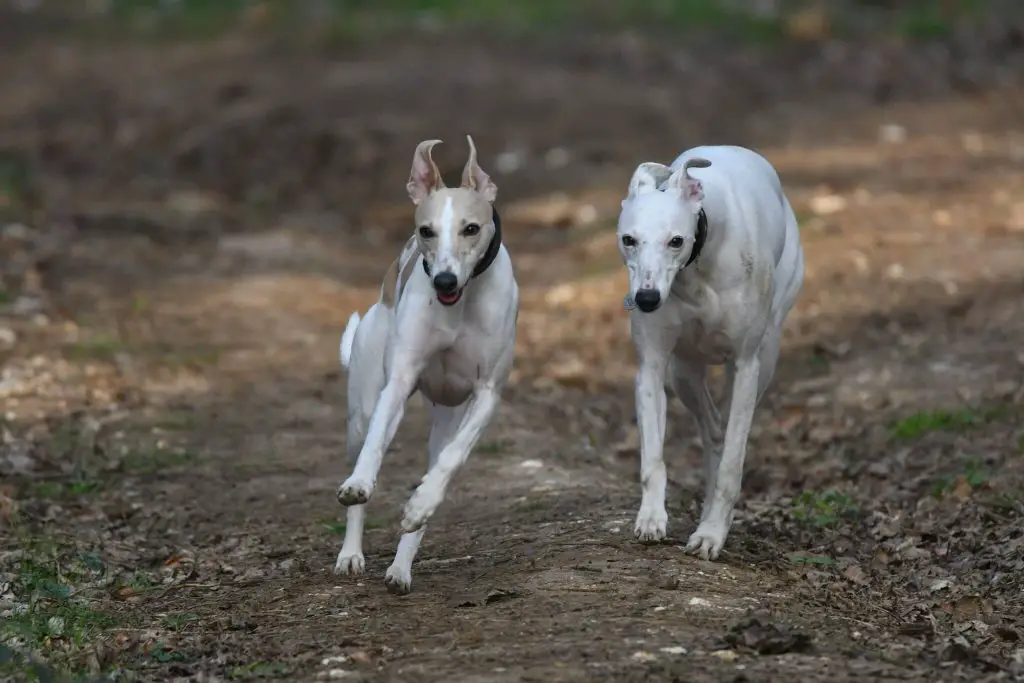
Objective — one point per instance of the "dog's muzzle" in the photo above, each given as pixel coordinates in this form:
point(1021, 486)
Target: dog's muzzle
point(446, 285)
point(647, 300)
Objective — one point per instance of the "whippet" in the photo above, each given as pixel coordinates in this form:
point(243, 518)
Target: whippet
point(715, 265)
point(444, 325)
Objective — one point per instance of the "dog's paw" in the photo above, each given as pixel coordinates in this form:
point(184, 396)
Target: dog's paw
point(417, 511)
point(707, 540)
point(651, 525)
point(354, 492)
point(421, 506)
point(349, 564)
point(398, 580)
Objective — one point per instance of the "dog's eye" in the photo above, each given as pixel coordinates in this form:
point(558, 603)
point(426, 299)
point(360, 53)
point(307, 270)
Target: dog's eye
point(676, 242)
point(426, 233)
point(628, 241)
point(471, 230)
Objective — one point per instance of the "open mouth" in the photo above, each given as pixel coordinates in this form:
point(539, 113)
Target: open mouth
point(449, 299)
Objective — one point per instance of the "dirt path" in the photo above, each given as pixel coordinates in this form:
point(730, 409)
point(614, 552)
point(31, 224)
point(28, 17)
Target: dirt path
point(203, 222)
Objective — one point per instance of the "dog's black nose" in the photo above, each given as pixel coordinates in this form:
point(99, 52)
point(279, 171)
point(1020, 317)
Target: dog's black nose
point(647, 299)
point(445, 282)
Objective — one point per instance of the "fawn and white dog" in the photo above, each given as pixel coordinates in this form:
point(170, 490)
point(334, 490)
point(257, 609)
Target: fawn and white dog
point(715, 265)
point(445, 325)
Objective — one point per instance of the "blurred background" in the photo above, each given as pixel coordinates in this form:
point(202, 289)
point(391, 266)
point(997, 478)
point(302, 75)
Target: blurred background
point(195, 194)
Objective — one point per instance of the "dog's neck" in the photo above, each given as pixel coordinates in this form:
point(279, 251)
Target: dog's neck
point(699, 238)
point(492, 248)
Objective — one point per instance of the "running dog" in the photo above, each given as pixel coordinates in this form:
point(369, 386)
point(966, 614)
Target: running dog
point(444, 325)
point(715, 265)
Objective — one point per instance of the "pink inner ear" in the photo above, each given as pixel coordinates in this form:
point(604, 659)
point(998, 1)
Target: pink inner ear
point(424, 174)
point(694, 190)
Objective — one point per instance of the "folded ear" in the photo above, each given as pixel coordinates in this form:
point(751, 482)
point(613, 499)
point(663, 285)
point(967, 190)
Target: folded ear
point(647, 177)
point(474, 178)
point(689, 188)
point(424, 177)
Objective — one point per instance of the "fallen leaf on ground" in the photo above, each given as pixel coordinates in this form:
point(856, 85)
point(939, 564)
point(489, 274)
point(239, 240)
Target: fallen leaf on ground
point(855, 574)
point(767, 638)
point(485, 596)
point(962, 489)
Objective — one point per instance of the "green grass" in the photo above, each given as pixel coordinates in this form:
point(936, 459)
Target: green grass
point(105, 349)
point(68, 444)
point(53, 620)
point(824, 510)
point(15, 184)
point(152, 461)
point(79, 486)
point(179, 622)
point(355, 20)
point(1011, 501)
point(337, 527)
point(259, 670)
point(928, 19)
point(805, 559)
point(350, 20)
point(135, 583)
point(820, 362)
point(974, 473)
point(491, 447)
point(919, 424)
point(531, 505)
point(162, 654)
point(61, 598)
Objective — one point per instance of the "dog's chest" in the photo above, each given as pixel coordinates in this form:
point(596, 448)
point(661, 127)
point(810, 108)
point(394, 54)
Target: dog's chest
point(451, 374)
point(702, 329)
point(712, 346)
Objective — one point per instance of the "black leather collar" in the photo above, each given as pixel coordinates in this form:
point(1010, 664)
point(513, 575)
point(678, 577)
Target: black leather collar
point(495, 246)
point(700, 237)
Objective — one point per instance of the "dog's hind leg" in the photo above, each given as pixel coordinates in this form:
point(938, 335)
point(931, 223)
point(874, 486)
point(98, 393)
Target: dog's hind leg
point(717, 518)
point(445, 422)
point(350, 558)
point(769, 355)
point(689, 383)
point(365, 382)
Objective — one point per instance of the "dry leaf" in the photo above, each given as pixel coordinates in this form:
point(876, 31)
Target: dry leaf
point(571, 372)
point(8, 508)
point(962, 490)
point(968, 608)
point(809, 23)
point(855, 574)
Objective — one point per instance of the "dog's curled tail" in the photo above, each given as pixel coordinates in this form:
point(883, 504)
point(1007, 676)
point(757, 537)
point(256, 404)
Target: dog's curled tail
point(347, 337)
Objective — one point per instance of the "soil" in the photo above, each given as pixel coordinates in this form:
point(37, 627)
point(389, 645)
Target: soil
point(194, 226)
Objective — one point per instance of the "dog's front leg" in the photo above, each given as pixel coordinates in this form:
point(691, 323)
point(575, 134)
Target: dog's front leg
point(387, 415)
point(430, 492)
point(350, 558)
point(651, 407)
point(714, 527)
point(398, 577)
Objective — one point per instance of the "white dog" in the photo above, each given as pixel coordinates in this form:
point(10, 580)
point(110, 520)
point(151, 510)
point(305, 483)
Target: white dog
point(715, 265)
point(445, 325)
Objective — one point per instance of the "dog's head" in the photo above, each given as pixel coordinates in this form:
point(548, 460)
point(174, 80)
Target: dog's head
point(658, 228)
point(454, 226)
